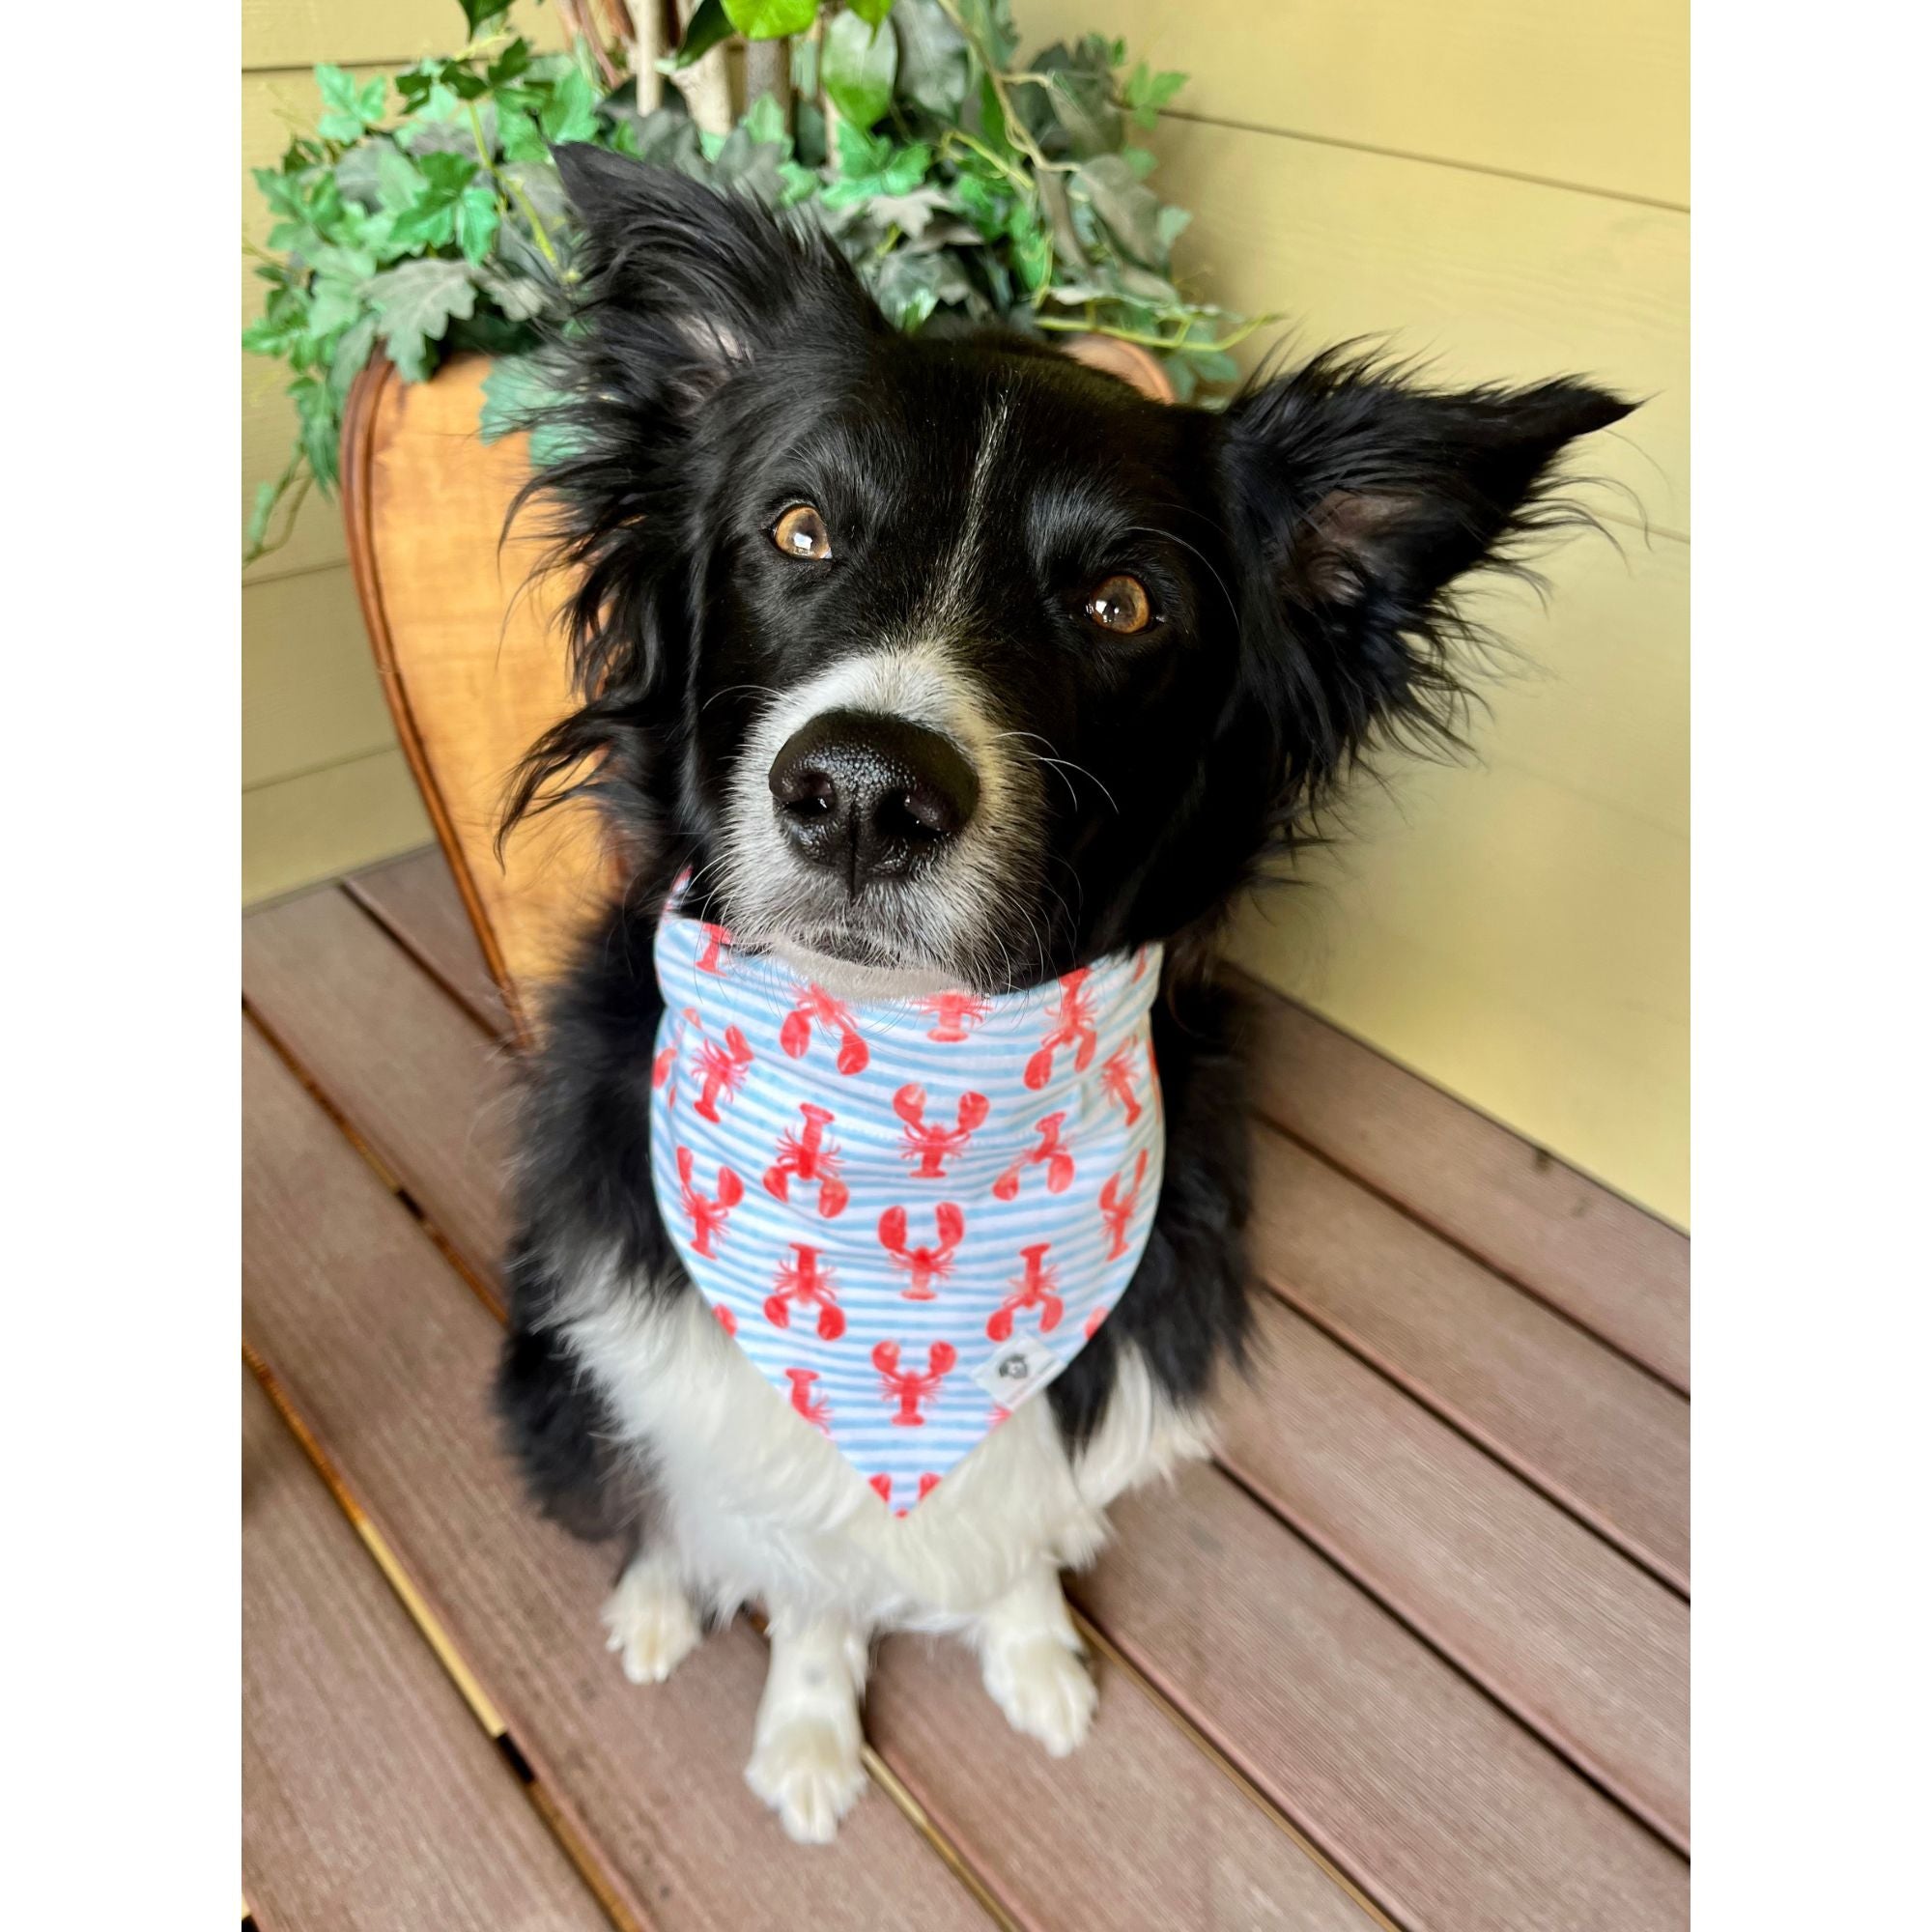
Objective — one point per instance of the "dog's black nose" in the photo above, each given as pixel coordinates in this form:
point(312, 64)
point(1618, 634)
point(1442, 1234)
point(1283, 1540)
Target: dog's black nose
point(872, 796)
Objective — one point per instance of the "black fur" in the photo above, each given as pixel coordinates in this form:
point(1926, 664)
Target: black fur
point(1299, 550)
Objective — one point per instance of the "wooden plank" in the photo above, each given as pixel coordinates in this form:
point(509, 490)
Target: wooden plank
point(934, 1732)
point(426, 1091)
point(309, 693)
point(1491, 278)
point(386, 1356)
point(1428, 1794)
point(1608, 1440)
point(370, 1796)
point(1621, 1273)
point(321, 823)
point(1586, 1647)
point(417, 902)
point(1571, 92)
point(1148, 1832)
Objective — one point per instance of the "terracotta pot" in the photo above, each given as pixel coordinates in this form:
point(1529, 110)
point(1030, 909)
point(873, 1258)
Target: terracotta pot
point(470, 667)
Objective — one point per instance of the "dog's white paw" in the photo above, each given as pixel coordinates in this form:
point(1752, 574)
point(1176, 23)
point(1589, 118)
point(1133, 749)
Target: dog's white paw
point(808, 1772)
point(651, 1623)
point(1044, 1689)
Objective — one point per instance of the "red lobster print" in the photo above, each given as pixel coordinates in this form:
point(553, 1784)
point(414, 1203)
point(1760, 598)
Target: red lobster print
point(726, 1321)
point(808, 1156)
point(923, 1264)
point(716, 939)
point(663, 1065)
point(1117, 1077)
point(1051, 1153)
point(818, 1007)
point(928, 1145)
point(882, 1487)
point(818, 1413)
point(1117, 1208)
point(1072, 1026)
point(805, 1281)
point(908, 1387)
point(708, 1213)
point(721, 1068)
point(954, 1015)
point(1034, 1289)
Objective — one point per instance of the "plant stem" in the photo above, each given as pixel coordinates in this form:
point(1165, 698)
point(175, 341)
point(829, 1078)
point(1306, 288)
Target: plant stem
point(1090, 326)
point(1016, 129)
point(294, 487)
point(508, 188)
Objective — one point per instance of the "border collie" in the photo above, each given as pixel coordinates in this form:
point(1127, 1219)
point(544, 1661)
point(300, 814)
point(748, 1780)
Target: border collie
point(927, 675)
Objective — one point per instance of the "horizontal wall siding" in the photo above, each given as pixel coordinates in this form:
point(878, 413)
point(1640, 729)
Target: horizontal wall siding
point(314, 825)
point(1499, 186)
point(1568, 91)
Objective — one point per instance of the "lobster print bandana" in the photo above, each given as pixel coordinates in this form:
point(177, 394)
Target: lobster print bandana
point(910, 1215)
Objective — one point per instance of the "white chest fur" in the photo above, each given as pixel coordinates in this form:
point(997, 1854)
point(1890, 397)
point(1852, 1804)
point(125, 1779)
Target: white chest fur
point(758, 1506)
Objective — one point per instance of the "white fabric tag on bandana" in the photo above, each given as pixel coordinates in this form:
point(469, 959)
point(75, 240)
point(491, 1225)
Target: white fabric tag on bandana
point(911, 1216)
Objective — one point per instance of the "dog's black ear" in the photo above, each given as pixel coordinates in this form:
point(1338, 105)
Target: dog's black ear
point(694, 280)
point(1359, 497)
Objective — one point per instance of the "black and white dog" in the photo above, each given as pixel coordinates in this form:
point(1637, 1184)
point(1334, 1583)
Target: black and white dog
point(935, 662)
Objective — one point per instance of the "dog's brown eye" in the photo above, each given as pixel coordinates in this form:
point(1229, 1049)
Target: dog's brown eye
point(1121, 604)
point(801, 532)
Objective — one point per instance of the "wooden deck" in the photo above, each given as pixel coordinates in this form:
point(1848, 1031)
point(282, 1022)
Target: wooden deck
point(1413, 1653)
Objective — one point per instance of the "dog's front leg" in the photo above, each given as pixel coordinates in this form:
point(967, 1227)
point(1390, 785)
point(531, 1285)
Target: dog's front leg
point(1031, 1660)
point(805, 1761)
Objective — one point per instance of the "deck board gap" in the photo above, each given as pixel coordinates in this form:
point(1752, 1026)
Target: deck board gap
point(354, 890)
point(1581, 1766)
point(580, 1854)
point(1420, 1218)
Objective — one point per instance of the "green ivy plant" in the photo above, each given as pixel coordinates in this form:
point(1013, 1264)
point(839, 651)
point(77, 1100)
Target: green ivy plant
point(423, 214)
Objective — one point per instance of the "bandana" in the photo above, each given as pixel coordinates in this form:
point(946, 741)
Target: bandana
point(910, 1215)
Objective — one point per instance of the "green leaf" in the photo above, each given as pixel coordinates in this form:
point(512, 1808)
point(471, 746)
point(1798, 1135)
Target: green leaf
point(571, 112)
point(710, 25)
point(351, 353)
point(860, 65)
point(1130, 212)
point(872, 11)
point(764, 121)
point(478, 217)
point(416, 302)
point(771, 19)
point(935, 69)
point(477, 12)
point(521, 138)
point(348, 109)
point(267, 496)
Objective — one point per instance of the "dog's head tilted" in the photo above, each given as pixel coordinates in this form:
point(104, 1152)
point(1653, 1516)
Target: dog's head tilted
point(946, 658)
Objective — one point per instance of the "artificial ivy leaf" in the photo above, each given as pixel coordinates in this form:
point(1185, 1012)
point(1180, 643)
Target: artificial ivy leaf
point(992, 23)
point(399, 182)
point(477, 220)
point(332, 305)
point(521, 138)
point(1140, 159)
point(771, 20)
point(906, 287)
point(984, 203)
point(1170, 222)
point(571, 112)
point(935, 67)
point(478, 12)
point(1032, 250)
point(861, 63)
point(912, 215)
point(1130, 212)
point(511, 64)
point(351, 353)
point(267, 496)
point(872, 11)
point(1067, 248)
point(764, 121)
point(708, 26)
point(1081, 97)
point(347, 108)
point(523, 296)
point(416, 302)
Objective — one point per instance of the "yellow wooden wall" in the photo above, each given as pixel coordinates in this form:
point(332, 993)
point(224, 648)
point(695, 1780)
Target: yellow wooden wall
point(323, 785)
point(1504, 185)
point(1501, 184)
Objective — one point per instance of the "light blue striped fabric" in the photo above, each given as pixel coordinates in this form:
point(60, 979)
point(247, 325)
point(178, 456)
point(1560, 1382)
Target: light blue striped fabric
point(911, 1214)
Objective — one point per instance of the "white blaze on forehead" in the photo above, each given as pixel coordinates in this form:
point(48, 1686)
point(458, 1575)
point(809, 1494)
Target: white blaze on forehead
point(952, 598)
